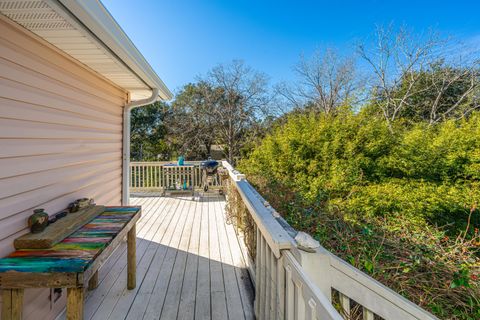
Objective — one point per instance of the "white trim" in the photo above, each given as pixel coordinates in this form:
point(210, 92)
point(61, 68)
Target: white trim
point(126, 142)
point(95, 17)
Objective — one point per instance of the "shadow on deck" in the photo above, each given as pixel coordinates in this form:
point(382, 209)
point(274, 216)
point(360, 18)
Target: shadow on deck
point(189, 266)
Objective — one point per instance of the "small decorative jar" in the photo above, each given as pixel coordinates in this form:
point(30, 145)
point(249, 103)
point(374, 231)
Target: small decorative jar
point(38, 221)
point(83, 203)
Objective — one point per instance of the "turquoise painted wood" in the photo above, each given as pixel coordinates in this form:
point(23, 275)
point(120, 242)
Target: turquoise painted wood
point(76, 252)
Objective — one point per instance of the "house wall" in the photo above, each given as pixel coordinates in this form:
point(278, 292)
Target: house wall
point(60, 140)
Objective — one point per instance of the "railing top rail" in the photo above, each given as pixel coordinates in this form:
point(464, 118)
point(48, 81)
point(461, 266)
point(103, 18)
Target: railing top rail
point(276, 236)
point(359, 282)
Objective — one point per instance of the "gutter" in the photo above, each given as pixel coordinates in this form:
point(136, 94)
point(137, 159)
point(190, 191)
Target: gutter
point(126, 141)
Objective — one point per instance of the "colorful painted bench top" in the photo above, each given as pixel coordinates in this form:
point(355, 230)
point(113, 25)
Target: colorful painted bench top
point(76, 252)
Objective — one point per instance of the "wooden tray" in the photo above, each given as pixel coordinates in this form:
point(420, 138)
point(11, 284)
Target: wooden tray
point(59, 230)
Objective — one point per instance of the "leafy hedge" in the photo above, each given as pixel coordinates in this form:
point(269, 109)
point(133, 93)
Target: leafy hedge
point(407, 198)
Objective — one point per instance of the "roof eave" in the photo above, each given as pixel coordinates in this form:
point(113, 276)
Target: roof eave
point(96, 18)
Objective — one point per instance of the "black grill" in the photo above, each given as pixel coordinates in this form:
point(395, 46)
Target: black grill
point(210, 166)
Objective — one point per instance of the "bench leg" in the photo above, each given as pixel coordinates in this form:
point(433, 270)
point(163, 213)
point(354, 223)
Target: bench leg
point(131, 258)
point(93, 281)
point(74, 303)
point(12, 304)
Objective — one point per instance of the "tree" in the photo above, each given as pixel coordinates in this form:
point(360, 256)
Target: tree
point(191, 124)
point(148, 133)
point(397, 58)
point(442, 92)
point(405, 70)
point(325, 82)
point(238, 101)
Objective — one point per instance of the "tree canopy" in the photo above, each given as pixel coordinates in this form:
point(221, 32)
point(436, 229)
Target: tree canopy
point(148, 133)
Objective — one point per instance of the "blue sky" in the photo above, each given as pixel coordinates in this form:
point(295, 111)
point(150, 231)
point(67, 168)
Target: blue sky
point(185, 38)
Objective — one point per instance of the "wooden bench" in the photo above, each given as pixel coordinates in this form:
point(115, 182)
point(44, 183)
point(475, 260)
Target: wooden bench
point(72, 263)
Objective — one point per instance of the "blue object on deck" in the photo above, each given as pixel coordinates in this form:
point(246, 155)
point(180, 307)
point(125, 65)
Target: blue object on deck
point(181, 160)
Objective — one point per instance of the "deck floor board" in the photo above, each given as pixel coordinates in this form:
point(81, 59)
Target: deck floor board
point(189, 266)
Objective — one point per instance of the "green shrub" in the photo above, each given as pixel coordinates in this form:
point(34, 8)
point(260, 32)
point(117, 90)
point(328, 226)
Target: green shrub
point(400, 204)
point(354, 162)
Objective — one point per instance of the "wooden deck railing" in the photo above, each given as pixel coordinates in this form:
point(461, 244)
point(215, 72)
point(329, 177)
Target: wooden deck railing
point(291, 283)
point(147, 176)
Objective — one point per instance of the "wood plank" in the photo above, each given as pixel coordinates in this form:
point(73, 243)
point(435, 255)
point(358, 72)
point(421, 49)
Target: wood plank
point(203, 295)
point(58, 231)
point(219, 302)
point(157, 299)
point(37, 280)
point(149, 268)
point(186, 309)
point(232, 293)
point(172, 300)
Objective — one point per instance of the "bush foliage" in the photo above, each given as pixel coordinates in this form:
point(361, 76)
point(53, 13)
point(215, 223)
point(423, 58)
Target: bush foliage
point(399, 204)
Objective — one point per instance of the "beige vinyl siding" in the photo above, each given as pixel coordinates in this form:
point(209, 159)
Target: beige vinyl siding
point(60, 139)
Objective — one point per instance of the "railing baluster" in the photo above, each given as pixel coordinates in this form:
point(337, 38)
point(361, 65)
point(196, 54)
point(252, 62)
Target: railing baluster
point(299, 301)
point(135, 175)
point(263, 287)
point(258, 272)
point(268, 283)
point(289, 294)
point(144, 175)
point(162, 182)
point(280, 289)
point(150, 167)
point(311, 310)
point(147, 178)
point(139, 167)
point(155, 180)
point(367, 314)
point(273, 284)
point(345, 303)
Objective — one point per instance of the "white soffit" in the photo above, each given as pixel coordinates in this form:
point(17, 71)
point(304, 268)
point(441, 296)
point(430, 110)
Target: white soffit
point(49, 20)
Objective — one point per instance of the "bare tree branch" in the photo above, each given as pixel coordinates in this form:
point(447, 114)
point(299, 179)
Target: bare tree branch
point(325, 81)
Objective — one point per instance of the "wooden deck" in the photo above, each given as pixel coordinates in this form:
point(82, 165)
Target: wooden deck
point(189, 266)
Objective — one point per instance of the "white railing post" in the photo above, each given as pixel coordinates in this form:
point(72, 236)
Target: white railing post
point(316, 262)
